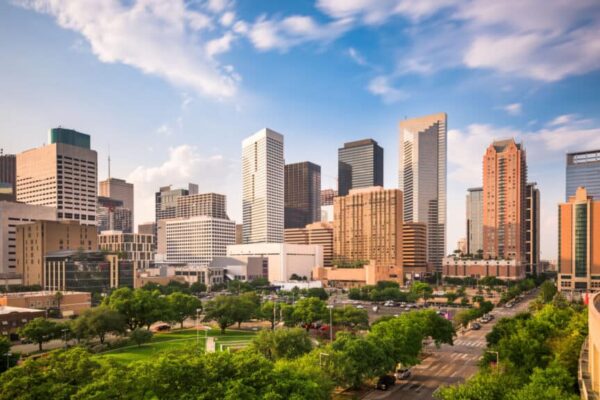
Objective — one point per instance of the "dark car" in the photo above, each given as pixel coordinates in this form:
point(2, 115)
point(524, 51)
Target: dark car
point(163, 327)
point(475, 326)
point(385, 382)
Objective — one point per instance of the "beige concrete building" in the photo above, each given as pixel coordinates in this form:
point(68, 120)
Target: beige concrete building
point(12, 215)
point(118, 189)
point(414, 250)
point(135, 247)
point(340, 277)
point(368, 229)
point(71, 303)
point(504, 205)
point(209, 204)
point(147, 228)
point(62, 174)
point(589, 361)
point(316, 233)
point(465, 268)
point(579, 243)
point(35, 240)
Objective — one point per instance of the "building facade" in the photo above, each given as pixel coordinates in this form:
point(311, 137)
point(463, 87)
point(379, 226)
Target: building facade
point(86, 271)
point(209, 204)
point(166, 200)
point(197, 240)
point(475, 221)
point(11, 216)
point(360, 165)
point(422, 178)
point(455, 267)
point(112, 216)
point(589, 362)
point(532, 229)
point(147, 228)
point(579, 243)
point(302, 194)
point(320, 233)
point(414, 250)
point(135, 247)
point(504, 205)
point(121, 190)
point(14, 318)
point(367, 228)
point(8, 177)
point(71, 303)
point(35, 240)
point(583, 169)
point(280, 260)
point(327, 196)
point(62, 174)
point(263, 187)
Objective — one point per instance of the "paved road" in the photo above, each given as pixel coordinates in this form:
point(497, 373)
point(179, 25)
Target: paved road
point(448, 364)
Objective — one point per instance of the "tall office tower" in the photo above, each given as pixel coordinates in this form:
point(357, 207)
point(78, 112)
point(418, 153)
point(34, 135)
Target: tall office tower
point(211, 204)
point(198, 240)
point(579, 243)
point(504, 191)
point(147, 228)
point(368, 227)
point(112, 216)
point(119, 189)
point(62, 174)
point(8, 176)
point(263, 187)
point(35, 240)
point(11, 215)
point(327, 196)
point(315, 233)
point(166, 200)
point(532, 228)
point(414, 250)
point(583, 169)
point(422, 178)
point(360, 164)
point(302, 194)
point(475, 221)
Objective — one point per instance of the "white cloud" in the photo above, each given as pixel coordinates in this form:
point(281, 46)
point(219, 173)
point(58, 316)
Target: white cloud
point(381, 86)
point(227, 18)
point(164, 130)
point(152, 35)
point(185, 164)
point(513, 108)
point(562, 119)
point(356, 56)
point(219, 45)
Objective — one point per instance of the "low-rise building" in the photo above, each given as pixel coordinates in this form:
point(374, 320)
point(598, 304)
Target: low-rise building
point(281, 260)
point(369, 274)
point(70, 303)
point(468, 268)
point(86, 271)
point(135, 247)
point(14, 318)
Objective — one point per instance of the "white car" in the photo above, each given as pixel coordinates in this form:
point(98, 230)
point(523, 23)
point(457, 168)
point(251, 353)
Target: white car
point(360, 306)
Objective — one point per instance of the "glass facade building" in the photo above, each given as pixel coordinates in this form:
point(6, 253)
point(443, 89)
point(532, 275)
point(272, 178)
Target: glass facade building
point(583, 169)
point(302, 194)
point(360, 165)
point(69, 136)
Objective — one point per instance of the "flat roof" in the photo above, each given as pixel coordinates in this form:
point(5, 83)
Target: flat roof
point(39, 293)
point(8, 309)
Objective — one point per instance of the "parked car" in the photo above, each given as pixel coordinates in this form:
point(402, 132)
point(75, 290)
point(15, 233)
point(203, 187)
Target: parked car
point(360, 306)
point(385, 382)
point(389, 303)
point(163, 327)
point(475, 326)
point(402, 373)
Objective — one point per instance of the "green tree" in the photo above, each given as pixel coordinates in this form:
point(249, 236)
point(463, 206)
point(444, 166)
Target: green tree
point(140, 336)
point(547, 291)
point(39, 330)
point(421, 290)
point(100, 321)
point(198, 287)
point(309, 310)
point(58, 297)
point(319, 293)
point(139, 307)
point(227, 310)
point(267, 313)
point(351, 317)
point(182, 306)
point(282, 343)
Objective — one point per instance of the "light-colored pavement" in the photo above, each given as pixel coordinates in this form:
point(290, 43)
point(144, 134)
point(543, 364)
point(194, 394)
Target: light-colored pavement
point(448, 364)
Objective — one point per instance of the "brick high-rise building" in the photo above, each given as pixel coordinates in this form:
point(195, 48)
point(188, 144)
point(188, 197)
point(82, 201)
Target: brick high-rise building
point(368, 228)
point(302, 194)
point(62, 174)
point(315, 233)
point(422, 179)
point(414, 250)
point(579, 243)
point(504, 205)
point(360, 165)
point(8, 176)
point(35, 240)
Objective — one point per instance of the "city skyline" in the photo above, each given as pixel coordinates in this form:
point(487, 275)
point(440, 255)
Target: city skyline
point(182, 132)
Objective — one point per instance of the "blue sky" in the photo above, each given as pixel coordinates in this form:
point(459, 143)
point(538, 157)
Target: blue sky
point(173, 87)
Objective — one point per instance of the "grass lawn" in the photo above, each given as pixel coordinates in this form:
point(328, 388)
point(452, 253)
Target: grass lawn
point(178, 339)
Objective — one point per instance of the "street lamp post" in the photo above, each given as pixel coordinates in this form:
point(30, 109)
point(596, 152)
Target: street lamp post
point(274, 313)
point(330, 322)
point(8, 360)
point(198, 310)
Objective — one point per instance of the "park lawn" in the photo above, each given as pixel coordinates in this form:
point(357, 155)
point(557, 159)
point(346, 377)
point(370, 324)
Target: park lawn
point(175, 340)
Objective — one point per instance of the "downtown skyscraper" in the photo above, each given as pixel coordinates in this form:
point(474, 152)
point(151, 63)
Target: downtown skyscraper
point(583, 169)
point(263, 187)
point(360, 165)
point(302, 194)
point(422, 179)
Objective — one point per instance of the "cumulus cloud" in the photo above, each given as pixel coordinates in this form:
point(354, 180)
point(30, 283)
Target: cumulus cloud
point(382, 87)
point(185, 164)
point(513, 108)
point(161, 38)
